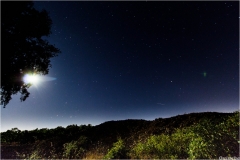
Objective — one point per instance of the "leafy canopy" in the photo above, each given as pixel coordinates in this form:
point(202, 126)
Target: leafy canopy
point(23, 49)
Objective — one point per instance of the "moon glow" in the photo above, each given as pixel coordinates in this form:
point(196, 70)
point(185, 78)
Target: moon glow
point(32, 79)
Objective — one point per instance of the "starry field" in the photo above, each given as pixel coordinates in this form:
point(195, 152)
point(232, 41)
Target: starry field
point(133, 60)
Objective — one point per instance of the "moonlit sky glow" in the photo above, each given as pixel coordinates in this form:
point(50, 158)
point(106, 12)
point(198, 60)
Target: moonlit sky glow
point(133, 60)
point(31, 78)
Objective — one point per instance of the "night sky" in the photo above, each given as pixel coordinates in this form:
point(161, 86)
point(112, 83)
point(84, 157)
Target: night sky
point(133, 60)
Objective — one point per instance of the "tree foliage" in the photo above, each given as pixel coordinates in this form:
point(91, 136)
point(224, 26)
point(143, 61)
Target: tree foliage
point(75, 149)
point(204, 140)
point(23, 48)
point(118, 151)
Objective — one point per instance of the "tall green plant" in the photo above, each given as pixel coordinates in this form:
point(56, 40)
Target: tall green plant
point(117, 151)
point(222, 137)
point(210, 138)
point(164, 146)
point(75, 149)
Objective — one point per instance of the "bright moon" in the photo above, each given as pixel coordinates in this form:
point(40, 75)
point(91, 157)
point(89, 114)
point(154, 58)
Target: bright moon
point(33, 79)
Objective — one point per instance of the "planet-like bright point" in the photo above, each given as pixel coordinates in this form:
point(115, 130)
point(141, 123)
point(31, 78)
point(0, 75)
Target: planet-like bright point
point(204, 74)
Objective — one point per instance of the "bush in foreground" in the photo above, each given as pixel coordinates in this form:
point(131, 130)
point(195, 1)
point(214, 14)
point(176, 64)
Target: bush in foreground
point(117, 151)
point(205, 140)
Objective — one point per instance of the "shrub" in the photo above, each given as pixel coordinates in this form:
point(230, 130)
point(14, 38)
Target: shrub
point(220, 138)
point(210, 138)
point(164, 146)
point(117, 151)
point(197, 148)
point(75, 149)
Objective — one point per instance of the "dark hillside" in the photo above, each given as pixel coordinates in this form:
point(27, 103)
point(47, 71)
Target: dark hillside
point(131, 130)
point(111, 130)
point(168, 125)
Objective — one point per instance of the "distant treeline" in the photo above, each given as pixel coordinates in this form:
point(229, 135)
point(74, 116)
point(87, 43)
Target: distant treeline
point(23, 137)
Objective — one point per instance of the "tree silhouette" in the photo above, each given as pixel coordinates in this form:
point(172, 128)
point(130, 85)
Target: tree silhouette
point(23, 49)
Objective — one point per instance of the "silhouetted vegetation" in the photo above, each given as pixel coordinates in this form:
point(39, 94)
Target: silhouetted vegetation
point(197, 136)
point(23, 50)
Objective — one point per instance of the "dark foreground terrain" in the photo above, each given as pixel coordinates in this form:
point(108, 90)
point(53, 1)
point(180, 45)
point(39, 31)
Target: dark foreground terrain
point(196, 135)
